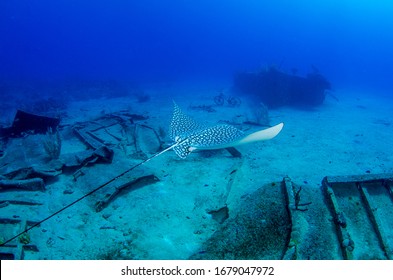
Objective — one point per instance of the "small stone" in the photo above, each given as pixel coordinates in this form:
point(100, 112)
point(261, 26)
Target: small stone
point(68, 191)
point(106, 215)
point(123, 253)
point(348, 244)
point(50, 242)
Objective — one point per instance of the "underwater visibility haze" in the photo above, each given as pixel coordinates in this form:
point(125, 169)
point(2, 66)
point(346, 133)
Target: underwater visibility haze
point(349, 41)
point(133, 129)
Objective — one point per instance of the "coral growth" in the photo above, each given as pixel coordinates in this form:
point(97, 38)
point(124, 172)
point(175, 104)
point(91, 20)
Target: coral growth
point(52, 144)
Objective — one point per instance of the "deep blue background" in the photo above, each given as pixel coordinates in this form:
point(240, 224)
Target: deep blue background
point(148, 41)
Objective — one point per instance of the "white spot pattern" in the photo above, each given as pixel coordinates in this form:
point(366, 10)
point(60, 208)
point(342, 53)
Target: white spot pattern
point(190, 134)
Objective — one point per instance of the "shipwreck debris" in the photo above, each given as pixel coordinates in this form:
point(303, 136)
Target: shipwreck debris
point(16, 249)
point(275, 88)
point(362, 207)
point(125, 188)
point(27, 122)
point(33, 184)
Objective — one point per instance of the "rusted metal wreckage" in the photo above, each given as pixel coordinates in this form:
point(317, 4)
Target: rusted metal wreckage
point(276, 88)
point(23, 171)
point(361, 208)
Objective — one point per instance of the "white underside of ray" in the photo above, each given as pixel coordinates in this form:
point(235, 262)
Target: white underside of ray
point(261, 135)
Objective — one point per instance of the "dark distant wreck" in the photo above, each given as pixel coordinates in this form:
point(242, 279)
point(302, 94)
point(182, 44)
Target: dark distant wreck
point(275, 88)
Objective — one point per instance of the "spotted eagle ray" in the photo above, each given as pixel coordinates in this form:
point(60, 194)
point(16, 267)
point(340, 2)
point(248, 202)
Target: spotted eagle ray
point(189, 135)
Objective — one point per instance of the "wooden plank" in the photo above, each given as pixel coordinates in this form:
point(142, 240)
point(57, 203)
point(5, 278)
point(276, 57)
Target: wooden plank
point(292, 251)
point(346, 242)
point(358, 178)
point(371, 209)
point(125, 188)
point(33, 184)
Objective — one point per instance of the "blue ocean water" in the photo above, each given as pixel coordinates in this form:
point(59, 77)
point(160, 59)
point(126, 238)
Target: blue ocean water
point(322, 67)
point(159, 41)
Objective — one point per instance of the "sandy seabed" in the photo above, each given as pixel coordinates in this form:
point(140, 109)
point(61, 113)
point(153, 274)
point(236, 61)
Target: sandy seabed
point(170, 219)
